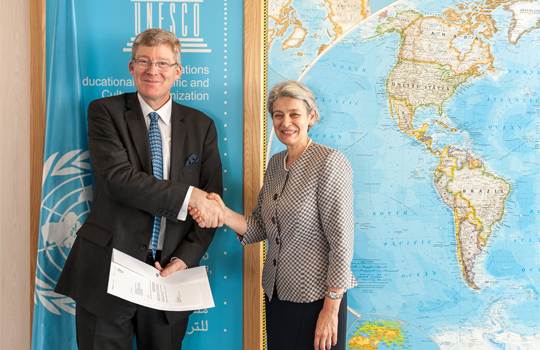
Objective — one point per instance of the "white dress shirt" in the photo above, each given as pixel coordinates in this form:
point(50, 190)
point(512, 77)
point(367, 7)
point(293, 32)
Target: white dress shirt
point(164, 125)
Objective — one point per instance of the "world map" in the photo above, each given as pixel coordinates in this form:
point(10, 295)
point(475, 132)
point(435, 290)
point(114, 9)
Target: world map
point(435, 104)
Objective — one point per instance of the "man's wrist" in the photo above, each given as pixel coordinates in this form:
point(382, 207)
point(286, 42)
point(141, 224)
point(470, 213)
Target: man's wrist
point(182, 215)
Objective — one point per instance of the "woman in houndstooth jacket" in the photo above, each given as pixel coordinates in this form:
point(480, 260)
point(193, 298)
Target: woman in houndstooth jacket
point(305, 211)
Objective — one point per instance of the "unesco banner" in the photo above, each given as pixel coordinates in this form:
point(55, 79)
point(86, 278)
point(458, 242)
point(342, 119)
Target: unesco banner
point(92, 39)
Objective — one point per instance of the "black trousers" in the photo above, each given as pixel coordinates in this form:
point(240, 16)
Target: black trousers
point(291, 326)
point(150, 326)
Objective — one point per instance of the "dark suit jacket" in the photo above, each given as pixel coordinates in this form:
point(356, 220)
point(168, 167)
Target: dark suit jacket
point(127, 196)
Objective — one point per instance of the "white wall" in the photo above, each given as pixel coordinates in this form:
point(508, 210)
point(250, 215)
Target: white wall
point(15, 289)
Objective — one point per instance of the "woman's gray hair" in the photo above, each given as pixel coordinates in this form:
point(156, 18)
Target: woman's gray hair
point(294, 89)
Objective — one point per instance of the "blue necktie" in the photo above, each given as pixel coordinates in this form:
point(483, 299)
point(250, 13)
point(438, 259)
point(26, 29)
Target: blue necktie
point(157, 169)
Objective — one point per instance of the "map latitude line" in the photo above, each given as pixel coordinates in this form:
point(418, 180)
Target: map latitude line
point(341, 14)
point(344, 35)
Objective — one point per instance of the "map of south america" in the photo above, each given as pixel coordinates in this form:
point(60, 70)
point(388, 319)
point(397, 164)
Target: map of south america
point(477, 200)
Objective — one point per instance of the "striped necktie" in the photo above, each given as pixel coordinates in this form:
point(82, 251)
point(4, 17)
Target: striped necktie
point(157, 169)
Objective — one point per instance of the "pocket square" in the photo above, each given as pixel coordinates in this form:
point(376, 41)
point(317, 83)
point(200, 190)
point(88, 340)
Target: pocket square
point(193, 159)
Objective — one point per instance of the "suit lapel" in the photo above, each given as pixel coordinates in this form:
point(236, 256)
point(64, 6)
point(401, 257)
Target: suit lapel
point(139, 134)
point(178, 138)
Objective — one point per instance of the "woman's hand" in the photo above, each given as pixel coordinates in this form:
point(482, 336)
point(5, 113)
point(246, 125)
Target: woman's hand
point(327, 325)
point(215, 197)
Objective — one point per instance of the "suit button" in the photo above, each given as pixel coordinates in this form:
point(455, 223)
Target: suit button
point(275, 262)
point(277, 240)
point(274, 220)
point(143, 247)
point(275, 196)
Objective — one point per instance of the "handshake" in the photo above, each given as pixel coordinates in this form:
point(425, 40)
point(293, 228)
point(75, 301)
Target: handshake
point(208, 210)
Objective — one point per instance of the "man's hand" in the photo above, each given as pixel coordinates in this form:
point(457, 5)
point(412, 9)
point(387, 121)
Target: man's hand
point(173, 266)
point(234, 220)
point(210, 212)
point(196, 213)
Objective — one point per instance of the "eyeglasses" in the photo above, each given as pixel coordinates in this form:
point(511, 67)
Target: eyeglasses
point(161, 66)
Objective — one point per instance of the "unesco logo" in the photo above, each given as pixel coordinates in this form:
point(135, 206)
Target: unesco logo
point(177, 16)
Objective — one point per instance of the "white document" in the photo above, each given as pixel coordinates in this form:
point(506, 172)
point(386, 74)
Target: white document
point(140, 283)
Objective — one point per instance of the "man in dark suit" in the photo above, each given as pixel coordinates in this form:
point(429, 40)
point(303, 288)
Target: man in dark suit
point(141, 197)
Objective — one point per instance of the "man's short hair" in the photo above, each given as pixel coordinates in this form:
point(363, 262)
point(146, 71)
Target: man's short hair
point(155, 37)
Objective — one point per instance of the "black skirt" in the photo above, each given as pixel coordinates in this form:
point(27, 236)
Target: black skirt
point(291, 326)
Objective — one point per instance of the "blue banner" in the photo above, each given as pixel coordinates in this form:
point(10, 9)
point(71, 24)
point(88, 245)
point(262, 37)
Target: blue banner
point(211, 34)
point(66, 184)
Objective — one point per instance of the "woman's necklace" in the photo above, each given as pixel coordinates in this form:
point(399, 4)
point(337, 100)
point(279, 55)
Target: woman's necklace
point(287, 156)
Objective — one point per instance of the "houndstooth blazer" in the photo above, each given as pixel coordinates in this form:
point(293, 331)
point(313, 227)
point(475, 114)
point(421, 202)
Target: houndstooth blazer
point(306, 214)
